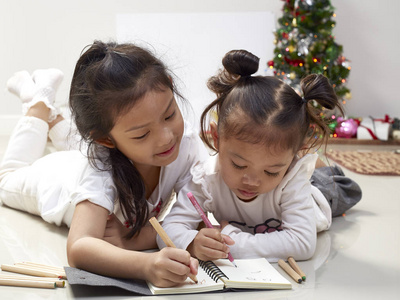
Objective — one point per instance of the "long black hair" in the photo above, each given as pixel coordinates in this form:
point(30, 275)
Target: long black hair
point(108, 80)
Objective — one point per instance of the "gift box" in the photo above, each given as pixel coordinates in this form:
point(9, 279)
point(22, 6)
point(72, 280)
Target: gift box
point(374, 129)
point(396, 129)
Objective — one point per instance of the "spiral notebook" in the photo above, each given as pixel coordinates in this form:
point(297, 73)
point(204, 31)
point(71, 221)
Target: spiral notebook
point(221, 274)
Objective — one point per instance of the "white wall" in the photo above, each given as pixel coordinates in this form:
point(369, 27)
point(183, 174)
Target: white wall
point(51, 33)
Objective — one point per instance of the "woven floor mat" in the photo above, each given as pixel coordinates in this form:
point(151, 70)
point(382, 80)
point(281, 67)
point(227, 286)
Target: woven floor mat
point(369, 163)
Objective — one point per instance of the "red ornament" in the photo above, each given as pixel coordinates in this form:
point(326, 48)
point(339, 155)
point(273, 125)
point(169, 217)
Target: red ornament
point(294, 62)
point(285, 35)
point(271, 63)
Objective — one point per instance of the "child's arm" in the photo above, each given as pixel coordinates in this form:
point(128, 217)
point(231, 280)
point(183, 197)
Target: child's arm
point(115, 234)
point(181, 225)
point(87, 250)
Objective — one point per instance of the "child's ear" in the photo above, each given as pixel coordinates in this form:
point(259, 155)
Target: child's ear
point(107, 142)
point(214, 133)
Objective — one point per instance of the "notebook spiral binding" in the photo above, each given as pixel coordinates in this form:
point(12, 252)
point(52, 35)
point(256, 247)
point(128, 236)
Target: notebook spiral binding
point(212, 270)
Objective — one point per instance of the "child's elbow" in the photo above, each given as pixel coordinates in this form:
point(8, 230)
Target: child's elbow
point(306, 249)
point(302, 245)
point(74, 254)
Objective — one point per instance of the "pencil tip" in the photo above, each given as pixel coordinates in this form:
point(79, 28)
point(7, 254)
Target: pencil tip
point(304, 278)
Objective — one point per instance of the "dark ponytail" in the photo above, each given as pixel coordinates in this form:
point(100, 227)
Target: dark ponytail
point(238, 66)
point(263, 109)
point(316, 87)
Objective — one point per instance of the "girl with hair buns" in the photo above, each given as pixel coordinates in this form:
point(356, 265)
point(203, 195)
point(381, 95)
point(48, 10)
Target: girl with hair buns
point(139, 150)
point(260, 185)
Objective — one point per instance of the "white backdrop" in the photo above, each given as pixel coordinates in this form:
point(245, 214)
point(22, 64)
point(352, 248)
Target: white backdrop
point(48, 33)
point(193, 44)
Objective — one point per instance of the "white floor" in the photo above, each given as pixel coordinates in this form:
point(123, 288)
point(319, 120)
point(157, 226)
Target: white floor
point(358, 258)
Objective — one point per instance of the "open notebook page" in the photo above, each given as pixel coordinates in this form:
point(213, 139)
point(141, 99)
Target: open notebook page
point(205, 284)
point(252, 273)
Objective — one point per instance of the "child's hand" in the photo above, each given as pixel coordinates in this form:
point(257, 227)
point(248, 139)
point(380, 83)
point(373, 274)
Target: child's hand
point(115, 232)
point(210, 244)
point(170, 267)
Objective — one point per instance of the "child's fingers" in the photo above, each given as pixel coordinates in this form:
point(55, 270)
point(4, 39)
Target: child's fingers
point(208, 245)
point(194, 265)
point(176, 265)
point(228, 240)
point(214, 240)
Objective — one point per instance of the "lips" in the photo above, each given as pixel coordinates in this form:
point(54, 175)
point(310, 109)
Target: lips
point(167, 152)
point(247, 194)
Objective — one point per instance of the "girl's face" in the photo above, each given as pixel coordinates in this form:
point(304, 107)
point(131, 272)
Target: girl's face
point(150, 133)
point(250, 169)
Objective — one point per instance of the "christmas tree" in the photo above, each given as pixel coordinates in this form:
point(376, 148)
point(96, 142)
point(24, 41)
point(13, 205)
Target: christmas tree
point(305, 45)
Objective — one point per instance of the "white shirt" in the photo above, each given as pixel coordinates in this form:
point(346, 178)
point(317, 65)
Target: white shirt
point(278, 224)
point(63, 179)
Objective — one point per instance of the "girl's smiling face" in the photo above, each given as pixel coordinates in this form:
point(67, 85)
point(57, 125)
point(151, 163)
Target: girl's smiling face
point(149, 134)
point(250, 169)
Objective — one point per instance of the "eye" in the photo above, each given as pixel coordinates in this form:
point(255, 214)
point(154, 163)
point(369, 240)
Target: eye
point(141, 137)
point(272, 174)
point(170, 116)
point(237, 166)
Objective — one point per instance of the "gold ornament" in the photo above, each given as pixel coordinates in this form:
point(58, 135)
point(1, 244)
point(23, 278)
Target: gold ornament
point(292, 75)
point(347, 96)
point(291, 48)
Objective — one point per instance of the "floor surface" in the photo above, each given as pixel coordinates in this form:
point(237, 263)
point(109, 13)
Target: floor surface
point(358, 258)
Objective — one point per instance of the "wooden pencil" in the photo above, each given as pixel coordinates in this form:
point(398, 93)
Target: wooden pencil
point(29, 271)
point(292, 273)
point(161, 232)
point(55, 270)
point(42, 266)
point(57, 281)
point(28, 283)
point(296, 267)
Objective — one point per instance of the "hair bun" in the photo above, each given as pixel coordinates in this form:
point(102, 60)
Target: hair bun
point(240, 62)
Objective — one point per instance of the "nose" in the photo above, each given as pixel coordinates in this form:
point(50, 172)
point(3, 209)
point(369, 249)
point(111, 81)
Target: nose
point(165, 136)
point(251, 179)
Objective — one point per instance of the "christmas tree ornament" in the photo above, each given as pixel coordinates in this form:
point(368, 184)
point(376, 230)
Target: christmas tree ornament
point(305, 44)
point(332, 126)
point(346, 128)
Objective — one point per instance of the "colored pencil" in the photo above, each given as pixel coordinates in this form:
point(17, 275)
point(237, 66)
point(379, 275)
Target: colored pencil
point(35, 266)
point(206, 220)
point(29, 271)
point(296, 267)
point(296, 277)
point(161, 232)
point(57, 281)
point(28, 283)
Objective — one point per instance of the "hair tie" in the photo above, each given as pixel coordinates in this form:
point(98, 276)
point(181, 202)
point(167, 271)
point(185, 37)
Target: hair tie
point(304, 100)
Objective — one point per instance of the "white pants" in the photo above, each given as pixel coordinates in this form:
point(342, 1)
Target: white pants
point(19, 173)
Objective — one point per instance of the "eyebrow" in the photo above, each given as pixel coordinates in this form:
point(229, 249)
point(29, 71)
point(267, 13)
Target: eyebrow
point(144, 125)
point(271, 166)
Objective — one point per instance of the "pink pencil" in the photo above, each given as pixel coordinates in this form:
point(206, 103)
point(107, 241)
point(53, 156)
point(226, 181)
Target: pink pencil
point(206, 220)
